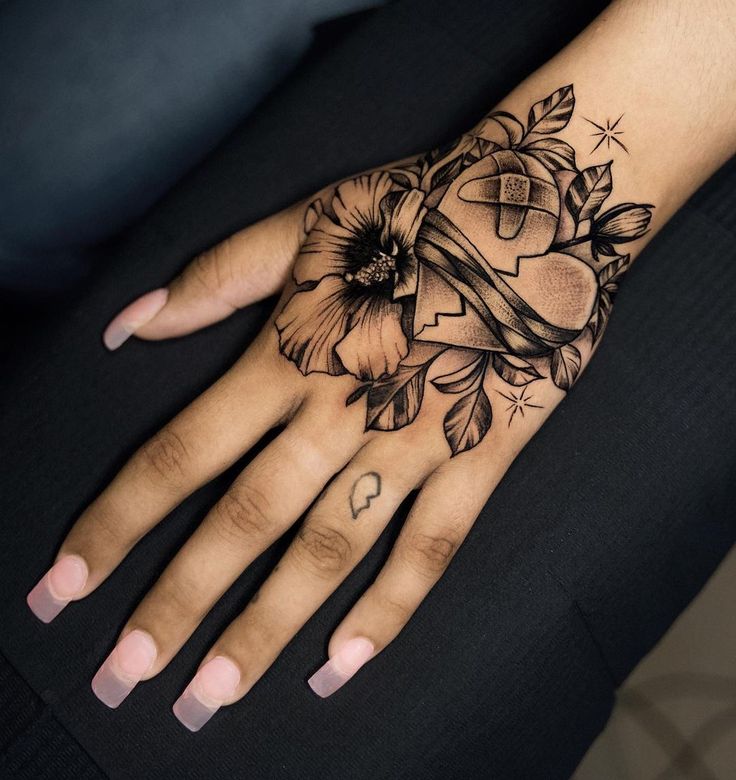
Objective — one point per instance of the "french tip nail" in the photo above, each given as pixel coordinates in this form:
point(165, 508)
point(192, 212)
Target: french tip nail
point(124, 668)
point(133, 317)
point(61, 584)
point(212, 686)
point(191, 712)
point(115, 336)
point(341, 667)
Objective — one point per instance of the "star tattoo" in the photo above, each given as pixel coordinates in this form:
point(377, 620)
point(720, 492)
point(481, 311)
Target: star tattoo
point(607, 133)
point(518, 402)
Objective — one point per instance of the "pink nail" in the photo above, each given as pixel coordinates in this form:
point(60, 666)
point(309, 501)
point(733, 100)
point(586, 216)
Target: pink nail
point(342, 666)
point(61, 583)
point(212, 686)
point(133, 317)
point(124, 668)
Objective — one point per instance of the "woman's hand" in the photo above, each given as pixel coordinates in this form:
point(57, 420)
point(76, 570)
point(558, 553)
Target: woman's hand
point(437, 308)
point(434, 314)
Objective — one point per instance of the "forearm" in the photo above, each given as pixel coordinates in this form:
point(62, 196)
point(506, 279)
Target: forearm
point(666, 72)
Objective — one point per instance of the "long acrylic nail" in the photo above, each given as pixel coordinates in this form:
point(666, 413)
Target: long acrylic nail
point(213, 685)
point(124, 668)
point(342, 666)
point(133, 317)
point(61, 583)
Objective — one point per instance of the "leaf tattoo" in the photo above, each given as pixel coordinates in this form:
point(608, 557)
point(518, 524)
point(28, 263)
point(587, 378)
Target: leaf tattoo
point(468, 420)
point(514, 370)
point(557, 155)
point(394, 401)
point(608, 280)
point(553, 113)
point(491, 254)
point(465, 378)
point(565, 365)
point(588, 191)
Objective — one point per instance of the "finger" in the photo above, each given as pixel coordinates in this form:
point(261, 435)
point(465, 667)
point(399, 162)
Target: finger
point(265, 500)
point(334, 537)
point(247, 267)
point(235, 413)
point(445, 510)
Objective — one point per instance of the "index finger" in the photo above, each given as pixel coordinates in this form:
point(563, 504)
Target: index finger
point(235, 413)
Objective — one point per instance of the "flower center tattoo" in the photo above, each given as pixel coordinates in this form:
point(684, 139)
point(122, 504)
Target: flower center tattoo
point(377, 271)
point(494, 248)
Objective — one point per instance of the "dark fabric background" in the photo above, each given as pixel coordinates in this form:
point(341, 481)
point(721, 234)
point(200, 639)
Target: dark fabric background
point(106, 103)
point(604, 529)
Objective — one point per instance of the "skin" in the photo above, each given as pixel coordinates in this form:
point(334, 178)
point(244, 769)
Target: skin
point(669, 68)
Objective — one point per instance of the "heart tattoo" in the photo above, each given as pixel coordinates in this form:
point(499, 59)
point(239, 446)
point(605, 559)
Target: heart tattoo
point(494, 246)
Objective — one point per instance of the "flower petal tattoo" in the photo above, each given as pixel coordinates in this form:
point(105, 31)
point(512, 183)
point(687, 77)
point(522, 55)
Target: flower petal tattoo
point(493, 247)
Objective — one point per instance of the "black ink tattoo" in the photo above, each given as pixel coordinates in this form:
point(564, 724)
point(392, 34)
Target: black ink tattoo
point(493, 248)
point(365, 489)
point(607, 133)
point(518, 402)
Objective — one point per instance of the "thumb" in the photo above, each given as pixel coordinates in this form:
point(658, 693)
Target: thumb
point(247, 267)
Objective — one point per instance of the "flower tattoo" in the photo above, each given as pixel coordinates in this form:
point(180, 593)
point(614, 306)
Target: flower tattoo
point(356, 263)
point(494, 247)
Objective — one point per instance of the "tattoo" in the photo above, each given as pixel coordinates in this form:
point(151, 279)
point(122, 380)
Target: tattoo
point(365, 489)
point(493, 248)
point(518, 402)
point(607, 133)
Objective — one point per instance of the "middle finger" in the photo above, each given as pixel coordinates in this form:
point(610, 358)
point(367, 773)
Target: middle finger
point(337, 533)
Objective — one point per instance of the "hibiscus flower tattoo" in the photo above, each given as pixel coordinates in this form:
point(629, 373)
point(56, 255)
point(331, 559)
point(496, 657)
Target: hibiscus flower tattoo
point(494, 246)
point(357, 263)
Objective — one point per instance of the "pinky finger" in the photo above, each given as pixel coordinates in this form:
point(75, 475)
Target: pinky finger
point(442, 515)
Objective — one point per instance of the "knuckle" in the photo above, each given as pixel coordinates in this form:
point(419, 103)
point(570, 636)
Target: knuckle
point(202, 272)
point(177, 596)
point(242, 514)
point(429, 554)
point(165, 456)
point(109, 525)
point(213, 270)
point(323, 550)
point(392, 605)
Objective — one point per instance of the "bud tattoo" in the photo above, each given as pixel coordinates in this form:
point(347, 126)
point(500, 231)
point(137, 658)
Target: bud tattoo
point(495, 246)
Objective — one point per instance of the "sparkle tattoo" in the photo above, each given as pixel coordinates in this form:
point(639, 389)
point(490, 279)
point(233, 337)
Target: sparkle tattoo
point(607, 134)
point(519, 402)
point(495, 248)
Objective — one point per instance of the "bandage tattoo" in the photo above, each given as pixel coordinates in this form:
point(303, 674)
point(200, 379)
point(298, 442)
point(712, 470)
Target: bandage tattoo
point(496, 247)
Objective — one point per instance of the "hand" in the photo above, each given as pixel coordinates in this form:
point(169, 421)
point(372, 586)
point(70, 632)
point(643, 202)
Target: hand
point(434, 313)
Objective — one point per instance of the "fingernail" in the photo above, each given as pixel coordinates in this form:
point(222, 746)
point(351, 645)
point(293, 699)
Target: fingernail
point(133, 317)
point(211, 687)
point(341, 667)
point(61, 583)
point(124, 668)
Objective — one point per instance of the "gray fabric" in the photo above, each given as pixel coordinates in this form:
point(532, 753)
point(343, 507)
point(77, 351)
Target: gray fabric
point(105, 103)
